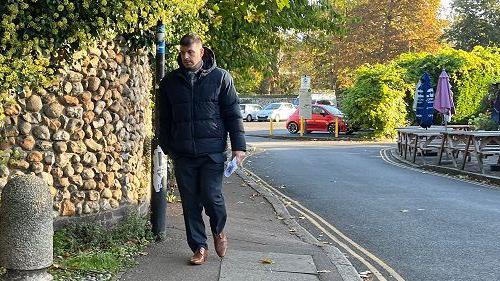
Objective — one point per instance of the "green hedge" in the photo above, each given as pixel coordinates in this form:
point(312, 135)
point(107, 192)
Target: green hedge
point(371, 95)
point(377, 99)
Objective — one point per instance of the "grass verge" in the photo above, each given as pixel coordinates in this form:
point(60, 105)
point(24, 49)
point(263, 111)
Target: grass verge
point(87, 250)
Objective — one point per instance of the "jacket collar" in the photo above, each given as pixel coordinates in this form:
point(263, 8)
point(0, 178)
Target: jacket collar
point(209, 63)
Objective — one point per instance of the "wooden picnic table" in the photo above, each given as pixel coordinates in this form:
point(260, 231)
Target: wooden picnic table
point(481, 144)
point(413, 140)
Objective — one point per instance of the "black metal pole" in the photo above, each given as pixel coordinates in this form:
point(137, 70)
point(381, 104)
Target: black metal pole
point(158, 199)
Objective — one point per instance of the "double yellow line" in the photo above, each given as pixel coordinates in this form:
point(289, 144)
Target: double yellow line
point(333, 233)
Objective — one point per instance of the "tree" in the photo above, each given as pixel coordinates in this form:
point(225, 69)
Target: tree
point(476, 22)
point(377, 31)
point(248, 35)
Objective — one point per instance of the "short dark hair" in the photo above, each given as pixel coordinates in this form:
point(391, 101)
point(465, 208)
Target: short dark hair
point(189, 39)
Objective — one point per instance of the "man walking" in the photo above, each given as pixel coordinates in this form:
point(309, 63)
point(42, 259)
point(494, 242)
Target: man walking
point(198, 108)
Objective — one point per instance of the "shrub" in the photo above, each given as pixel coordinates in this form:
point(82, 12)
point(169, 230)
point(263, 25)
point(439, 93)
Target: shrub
point(471, 74)
point(377, 99)
point(380, 95)
point(483, 122)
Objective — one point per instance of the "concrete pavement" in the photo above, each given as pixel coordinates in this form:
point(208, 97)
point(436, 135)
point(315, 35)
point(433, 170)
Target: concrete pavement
point(265, 243)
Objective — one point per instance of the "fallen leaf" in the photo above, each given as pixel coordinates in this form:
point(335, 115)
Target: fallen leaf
point(267, 261)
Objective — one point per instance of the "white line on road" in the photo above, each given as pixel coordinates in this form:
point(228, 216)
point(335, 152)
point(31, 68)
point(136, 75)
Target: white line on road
point(387, 158)
point(314, 218)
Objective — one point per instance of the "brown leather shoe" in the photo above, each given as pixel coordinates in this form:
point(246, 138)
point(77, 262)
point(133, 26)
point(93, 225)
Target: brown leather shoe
point(220, 243)
point(199, 257)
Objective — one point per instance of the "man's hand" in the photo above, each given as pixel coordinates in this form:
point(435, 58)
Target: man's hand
point(239, 155)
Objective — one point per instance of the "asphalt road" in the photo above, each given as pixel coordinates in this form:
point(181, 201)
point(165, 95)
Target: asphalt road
point(425, 227)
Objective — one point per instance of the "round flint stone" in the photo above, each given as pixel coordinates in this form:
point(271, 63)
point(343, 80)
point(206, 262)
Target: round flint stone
point(26, 227)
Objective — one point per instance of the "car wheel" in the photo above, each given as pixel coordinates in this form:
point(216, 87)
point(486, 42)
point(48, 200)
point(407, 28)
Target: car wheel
point(249, 118)
point(293, 128)
point(331, 128)
point(277, 118)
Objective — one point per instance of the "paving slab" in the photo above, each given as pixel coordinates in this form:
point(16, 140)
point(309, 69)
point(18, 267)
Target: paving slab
point(248, 265)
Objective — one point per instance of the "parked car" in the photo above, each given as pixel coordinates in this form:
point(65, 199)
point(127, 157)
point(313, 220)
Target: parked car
point(317, 98)
point(276, 111)
point(249, 111)
point(323, 119)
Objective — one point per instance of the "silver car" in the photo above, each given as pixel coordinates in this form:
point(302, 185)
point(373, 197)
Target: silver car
point(276, 111)
point(249, 111)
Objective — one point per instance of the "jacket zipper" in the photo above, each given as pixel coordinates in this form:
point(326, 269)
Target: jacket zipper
point(192, 115)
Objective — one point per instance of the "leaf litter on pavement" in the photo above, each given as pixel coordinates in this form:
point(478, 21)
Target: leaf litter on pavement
point(266, 261)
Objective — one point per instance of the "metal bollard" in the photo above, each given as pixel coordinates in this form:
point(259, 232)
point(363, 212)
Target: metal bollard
point(337, 127)
point(26, 229)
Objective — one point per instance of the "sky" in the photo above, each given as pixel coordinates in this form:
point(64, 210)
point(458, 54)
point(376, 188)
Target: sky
point(445, 9)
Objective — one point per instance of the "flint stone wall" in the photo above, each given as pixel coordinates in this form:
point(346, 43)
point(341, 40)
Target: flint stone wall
point(85, 135)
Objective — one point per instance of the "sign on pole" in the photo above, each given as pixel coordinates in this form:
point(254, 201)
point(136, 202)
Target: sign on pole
point(305, 100)
point(305, 82)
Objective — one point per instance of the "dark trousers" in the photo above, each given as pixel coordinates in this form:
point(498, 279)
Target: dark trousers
point(200, 186)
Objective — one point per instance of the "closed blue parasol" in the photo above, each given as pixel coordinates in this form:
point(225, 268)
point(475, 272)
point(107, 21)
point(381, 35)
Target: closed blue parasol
point(425, 102)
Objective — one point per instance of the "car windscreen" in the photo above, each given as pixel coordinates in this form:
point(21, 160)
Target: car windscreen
point(272, 106)
point(333, 110)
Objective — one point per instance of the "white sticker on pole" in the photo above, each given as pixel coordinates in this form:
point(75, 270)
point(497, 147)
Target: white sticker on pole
point(305, 103)
point(160, 170)
point(305, 82)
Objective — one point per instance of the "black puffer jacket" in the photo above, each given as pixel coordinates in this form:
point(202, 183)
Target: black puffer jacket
point(195, 119)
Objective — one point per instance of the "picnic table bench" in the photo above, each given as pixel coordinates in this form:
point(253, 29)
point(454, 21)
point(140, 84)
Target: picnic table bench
point(414, 139)
point(481, 144)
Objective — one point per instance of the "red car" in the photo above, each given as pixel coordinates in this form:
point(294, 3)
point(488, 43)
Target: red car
point(323, 119)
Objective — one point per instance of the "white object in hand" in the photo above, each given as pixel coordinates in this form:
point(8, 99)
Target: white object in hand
point(231, 167)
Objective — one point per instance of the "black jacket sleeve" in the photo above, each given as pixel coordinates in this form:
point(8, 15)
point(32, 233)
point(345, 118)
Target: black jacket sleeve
point(231, 113)
point(164, 110)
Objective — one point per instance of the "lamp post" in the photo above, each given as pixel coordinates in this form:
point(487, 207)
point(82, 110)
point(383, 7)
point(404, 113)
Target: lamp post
point(158, 198)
